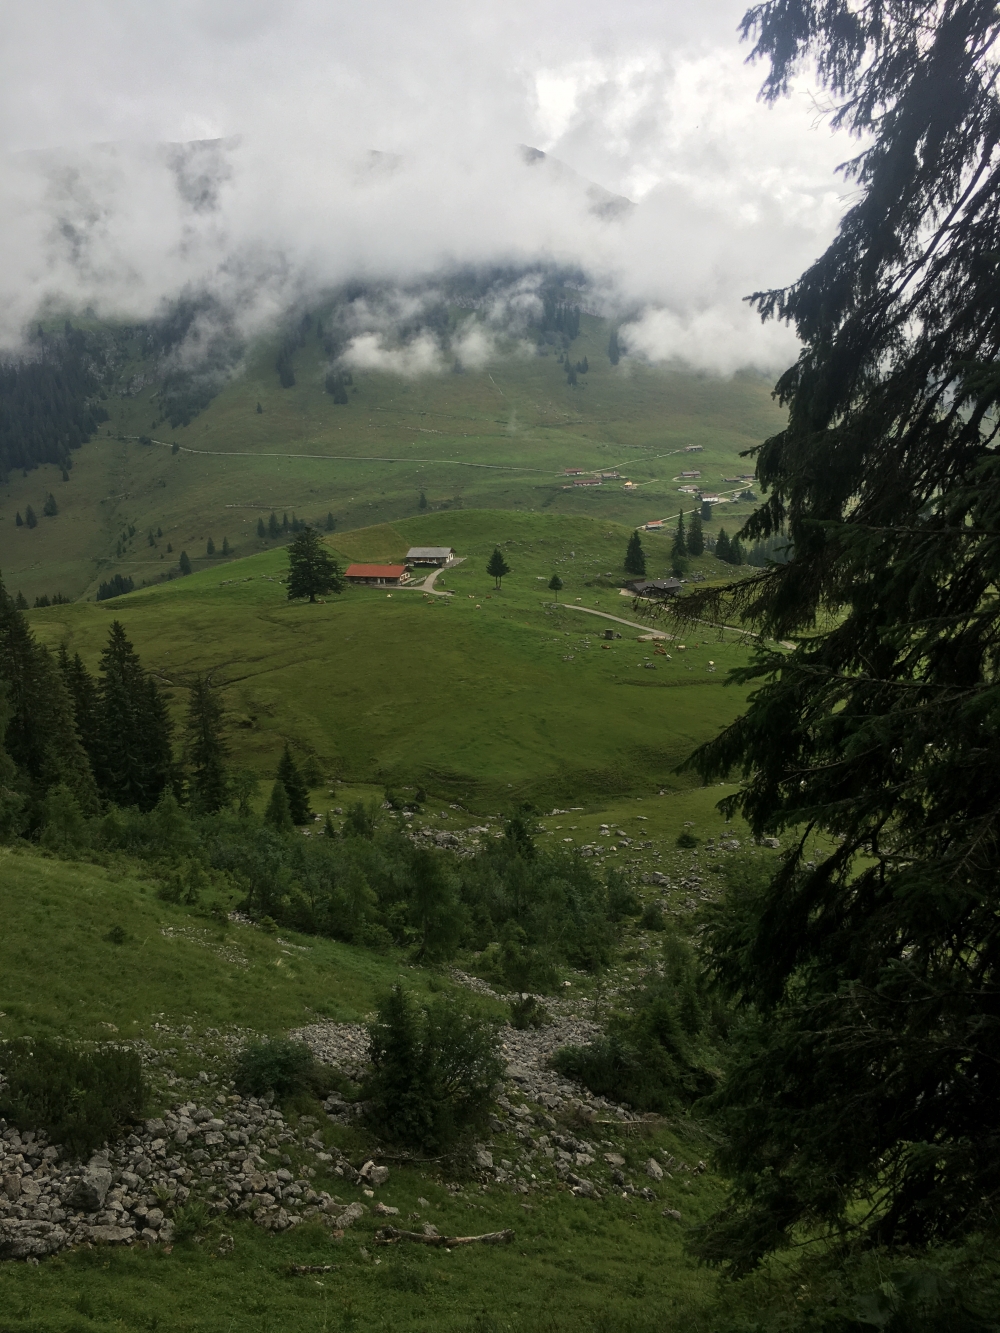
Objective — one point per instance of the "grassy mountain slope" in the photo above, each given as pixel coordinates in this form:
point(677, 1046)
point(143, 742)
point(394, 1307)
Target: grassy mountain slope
point(478, 695)
point(499, 437)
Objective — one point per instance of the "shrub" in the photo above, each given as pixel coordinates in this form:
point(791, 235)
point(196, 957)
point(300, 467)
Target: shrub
point(662, 1054)
point(687, 840)
point(433, 1071)
point(64, 827)
point(279, 1066)
point(80, 1098)
point(527, 1012)
point(190, 1219)
point(652, 917)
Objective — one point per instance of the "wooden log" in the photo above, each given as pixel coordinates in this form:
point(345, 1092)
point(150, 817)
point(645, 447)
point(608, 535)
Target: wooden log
point(391, 1235)
point(300, 1270)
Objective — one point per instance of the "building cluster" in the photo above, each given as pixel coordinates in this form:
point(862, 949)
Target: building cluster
point(397, 575)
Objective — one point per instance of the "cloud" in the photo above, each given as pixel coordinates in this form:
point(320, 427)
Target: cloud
point(289, 199)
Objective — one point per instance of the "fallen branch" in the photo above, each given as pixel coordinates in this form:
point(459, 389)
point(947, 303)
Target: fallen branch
point(390, 1236)
point(300, 1270)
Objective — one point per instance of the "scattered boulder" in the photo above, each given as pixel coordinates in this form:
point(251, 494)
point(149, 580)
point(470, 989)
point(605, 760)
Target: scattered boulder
point(91, 1190)
point(654, 1170)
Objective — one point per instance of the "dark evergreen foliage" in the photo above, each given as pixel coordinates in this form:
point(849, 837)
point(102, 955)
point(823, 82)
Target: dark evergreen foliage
point(273, 526)
point(614, 351)
point(330, 523)
point(433, 1071)
point(133, 760)
point(30, 517)
point(261, 530)
point(555, 585)
point(312, 570)
point(184, 563)
point(635, 557)
point(278, 813)
point(206, 748)
point(722, 546)
point(50, 508)
point(497, 566)
point(210, 547)
point(696, 536)
point(48, 402)
point(115, 587)
point(680, 547)
point(41, 737)
point(295, 787)
point(81, 1098)
point(335, 386)
point(862, 1095)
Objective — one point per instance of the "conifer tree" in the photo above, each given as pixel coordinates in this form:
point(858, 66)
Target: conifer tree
point(285, 525)
point(50, 508)
point(20, 601)
point(278, 813)
point(226, 548)
point(679, 549)
point(30, 518)
point(184, 563)
point(859, 1101)
point(273, 526)
point(497, 566)
point(331, 522)
point(206, 749)
point(312, 570)
point(134, 759)
point(422, 502)
point(18, 520)
point(210, 548)
point(614, 351)
point(635, 557)
point(295, 785)
point(82, 690)
point(696, 536)
point(259, 409)
point(555, 585)
point(41, 736)
point(722, 547)
point(261, 530)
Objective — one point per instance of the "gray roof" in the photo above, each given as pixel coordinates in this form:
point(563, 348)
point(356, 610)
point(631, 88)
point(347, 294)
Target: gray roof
point(429, 552)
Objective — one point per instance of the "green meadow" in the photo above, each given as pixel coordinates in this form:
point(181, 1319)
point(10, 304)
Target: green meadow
point(479, 696)
point(499, 437)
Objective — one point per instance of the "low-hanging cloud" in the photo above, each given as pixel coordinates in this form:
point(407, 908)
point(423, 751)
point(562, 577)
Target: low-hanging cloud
point(282, 196)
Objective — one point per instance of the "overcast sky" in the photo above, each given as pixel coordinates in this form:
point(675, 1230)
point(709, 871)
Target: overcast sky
point(651, 101)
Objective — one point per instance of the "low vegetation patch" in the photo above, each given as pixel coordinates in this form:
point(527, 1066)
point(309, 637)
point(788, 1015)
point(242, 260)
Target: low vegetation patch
point(81, 1098)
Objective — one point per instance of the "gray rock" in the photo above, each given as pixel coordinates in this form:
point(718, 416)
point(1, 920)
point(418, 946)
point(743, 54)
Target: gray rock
point(484, 1159)
point(12, 1187)
point(155, 1128)
point(20, 1239)
point(654, 1170)
point(375, 1175)
point(347, 1216)
point(91, 1189)
point(672, 1213)
point(108, 1235)
point(154, 1218)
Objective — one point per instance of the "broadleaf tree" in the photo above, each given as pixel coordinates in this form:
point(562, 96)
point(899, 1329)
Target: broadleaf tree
point(861, 1098)
point(312, 570)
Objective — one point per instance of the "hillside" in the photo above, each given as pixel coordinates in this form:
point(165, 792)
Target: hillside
point(497, 437)
point(480, 695)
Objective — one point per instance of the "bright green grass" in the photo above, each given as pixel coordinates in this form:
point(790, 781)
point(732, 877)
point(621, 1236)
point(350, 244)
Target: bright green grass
point(485, 696)
point(575, 1264)
point(59, 973)
point(517, 421)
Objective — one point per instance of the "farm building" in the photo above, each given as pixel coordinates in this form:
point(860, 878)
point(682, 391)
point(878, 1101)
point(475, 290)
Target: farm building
point(654, 525)
point(387, 575)
point(573, 472)
point(430, 555)
point(693, 448)
point(657, 587)
point(587, 481)
point(690, 475)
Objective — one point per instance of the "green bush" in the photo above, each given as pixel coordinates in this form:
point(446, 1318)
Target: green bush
point(80, 1098)
point(279, 1066)
point(434, 1070)
point(652, 917)
point(526, 1012)
point(662, 1054)
point(191, 1219)
point(687, 840)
